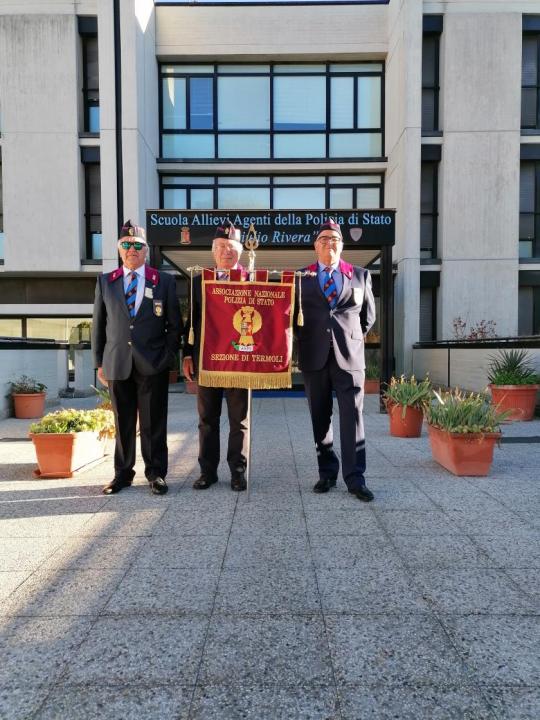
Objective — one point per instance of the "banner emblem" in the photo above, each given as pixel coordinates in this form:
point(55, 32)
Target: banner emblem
point(247, 321)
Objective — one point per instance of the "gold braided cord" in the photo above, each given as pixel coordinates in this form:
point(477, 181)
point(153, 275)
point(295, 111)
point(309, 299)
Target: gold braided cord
point(246, 380)
point(191, 335)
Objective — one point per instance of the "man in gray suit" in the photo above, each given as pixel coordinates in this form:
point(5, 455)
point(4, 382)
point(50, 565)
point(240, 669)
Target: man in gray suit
point(339, 309)
point(226, 249)
point(135, 337)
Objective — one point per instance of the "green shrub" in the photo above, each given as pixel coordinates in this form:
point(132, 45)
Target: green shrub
point(408, 392)
point(512, 367)
point(73, 421)
point(372, 370)
point(27, 385)
point(459, 412)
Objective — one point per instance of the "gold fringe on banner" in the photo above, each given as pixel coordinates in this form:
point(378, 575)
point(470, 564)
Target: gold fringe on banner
point(248, 381)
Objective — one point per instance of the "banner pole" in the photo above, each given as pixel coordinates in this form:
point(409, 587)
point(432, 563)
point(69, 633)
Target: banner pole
point(251, 243)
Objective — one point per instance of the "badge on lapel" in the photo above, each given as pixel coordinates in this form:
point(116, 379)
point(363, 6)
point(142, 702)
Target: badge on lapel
point(149, 292)
point(158, 308)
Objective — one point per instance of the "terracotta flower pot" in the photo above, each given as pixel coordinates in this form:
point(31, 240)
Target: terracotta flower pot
point(372, 387)
point(406, 427)
point(173, 377)
point(463, 453)
point(520, 399)
point(29, 405)
point(60, 454)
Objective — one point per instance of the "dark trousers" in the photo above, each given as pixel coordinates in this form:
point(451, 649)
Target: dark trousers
point(209, 402)
point(349, 389)
point(147, 395)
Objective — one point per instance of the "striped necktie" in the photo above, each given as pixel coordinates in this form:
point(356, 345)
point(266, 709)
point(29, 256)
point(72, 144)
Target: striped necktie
point(329, 288)
point(131, 294)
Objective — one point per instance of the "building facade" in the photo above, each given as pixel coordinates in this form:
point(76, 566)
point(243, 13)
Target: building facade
point(109, 108)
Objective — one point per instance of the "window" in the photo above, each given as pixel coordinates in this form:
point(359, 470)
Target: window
point(530, 75)
point(529, 209)
point(1, 215)
point(432, 26)
point(92, 212)
point(529, 303)
point(429, 203)
point(237, 192)
point(90, 74)
point(427, 314)
point(428, 210)
point(281, 111)
point(429, 283)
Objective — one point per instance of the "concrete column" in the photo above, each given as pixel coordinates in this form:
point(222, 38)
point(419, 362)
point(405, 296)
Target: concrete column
point(39, 90)
point(140, 116)
point(402, 187)
point(479, 172)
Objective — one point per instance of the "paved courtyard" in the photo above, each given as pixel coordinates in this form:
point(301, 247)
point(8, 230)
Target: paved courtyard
point(423, 604)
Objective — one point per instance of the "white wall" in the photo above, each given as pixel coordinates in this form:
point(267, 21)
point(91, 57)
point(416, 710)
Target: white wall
point(258, 33)
point(39, 90)
point(47, 366)
point(468, 367)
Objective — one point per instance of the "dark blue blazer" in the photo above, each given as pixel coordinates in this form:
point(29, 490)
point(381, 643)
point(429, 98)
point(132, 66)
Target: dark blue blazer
point(343, 327)
point(150, 340)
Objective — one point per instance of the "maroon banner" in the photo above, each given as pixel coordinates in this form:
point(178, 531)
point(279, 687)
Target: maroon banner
point(246, 338)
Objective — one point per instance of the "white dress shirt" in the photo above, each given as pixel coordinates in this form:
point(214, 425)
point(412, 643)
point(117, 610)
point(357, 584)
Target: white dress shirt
point(141, 280)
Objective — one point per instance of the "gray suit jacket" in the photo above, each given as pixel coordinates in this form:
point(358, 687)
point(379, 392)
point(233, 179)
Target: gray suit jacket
point(344, 326)
point(150, 340)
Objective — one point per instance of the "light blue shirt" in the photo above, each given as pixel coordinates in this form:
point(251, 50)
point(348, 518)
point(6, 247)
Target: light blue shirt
point(336, 274)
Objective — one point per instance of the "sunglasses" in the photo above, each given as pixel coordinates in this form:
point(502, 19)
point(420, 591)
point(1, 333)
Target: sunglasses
point(127, 244)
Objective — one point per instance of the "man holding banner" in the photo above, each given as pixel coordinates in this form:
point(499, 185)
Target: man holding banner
point(338, 310)
point(226, 249)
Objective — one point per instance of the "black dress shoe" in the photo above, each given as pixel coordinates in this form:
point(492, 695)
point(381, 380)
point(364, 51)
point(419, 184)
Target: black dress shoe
point(324, 485)
point(204, 482)
point(363, 493)
point(238, 482)
point(158, 486)
point(115, 486)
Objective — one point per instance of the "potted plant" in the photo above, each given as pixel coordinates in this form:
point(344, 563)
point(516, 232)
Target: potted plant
point(28, 397)
point(372, 383)
point(463, 429)
point(66, 440)
point(513, 383)
point(405, 400)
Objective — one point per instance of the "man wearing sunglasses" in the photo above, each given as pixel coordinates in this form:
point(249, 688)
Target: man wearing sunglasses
point(339, 309)
point(135, 337)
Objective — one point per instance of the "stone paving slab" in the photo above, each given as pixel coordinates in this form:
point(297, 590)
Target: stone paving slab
point(422, 605)
point(410, 703)
point(126, 701)
point(393, 649)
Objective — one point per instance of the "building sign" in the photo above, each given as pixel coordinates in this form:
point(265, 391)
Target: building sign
point(274, 2)
point(275, 228)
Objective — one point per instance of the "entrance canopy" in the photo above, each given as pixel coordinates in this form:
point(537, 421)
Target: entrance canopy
point(184, 237)
point(286, 237)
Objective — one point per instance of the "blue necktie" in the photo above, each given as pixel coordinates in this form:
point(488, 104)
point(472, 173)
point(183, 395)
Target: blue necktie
point(329, 288)
point(131, 294)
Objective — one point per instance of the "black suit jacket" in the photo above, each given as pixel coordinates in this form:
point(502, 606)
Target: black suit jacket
point(344, 326)
point(150, 340)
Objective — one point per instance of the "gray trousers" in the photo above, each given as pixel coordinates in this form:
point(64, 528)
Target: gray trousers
point(209, 402)
point(349, 389)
